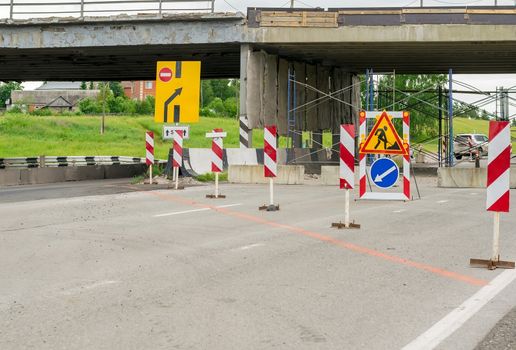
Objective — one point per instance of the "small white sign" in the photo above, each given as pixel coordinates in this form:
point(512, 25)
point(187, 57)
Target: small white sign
point(213, 135)
point(168, 131)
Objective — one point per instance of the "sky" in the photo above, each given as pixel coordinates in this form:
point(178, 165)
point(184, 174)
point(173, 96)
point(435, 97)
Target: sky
point(483, 82)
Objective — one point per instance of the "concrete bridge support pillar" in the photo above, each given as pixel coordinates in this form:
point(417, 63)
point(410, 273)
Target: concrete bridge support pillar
point(246, 133)
point(317, 139)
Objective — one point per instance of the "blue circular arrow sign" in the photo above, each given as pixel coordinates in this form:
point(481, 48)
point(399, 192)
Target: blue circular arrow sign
point(384, 172)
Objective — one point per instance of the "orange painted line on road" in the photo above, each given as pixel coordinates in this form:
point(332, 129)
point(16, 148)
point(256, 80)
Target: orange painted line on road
point(328, 239)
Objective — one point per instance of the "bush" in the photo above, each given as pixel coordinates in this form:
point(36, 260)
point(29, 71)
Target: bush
point(118, 105)
point(217, 107)
point(14, 110)
point(42, 112)
point(90, 106)
point(230, 105)
point(145, 107)
point(207, 112)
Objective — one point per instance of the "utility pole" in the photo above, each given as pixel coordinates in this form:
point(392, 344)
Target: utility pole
point(292, 3)
point(421, 3)
point(102, 122)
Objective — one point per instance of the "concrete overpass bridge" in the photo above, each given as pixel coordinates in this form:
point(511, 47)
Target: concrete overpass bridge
point(326, 49)
point(427, 40)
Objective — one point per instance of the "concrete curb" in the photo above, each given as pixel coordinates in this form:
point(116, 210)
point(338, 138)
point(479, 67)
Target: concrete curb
point(32, 176)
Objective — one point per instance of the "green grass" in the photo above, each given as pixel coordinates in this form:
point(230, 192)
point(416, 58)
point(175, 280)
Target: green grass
point(23, 136)
point(210, 177)
point(468, 126)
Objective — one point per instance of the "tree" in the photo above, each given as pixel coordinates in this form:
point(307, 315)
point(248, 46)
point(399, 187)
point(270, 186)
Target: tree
point(117, 88)
point(6, 89)
point(83, 85)
point(219, 97)
point(207, 94)
point(423, 106)
point(92, 86)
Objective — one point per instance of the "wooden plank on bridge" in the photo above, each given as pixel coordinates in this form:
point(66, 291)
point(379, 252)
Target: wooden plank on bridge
point(314, 19)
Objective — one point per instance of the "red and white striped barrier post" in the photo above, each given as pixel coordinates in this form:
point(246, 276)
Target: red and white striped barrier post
point(149, 146)
point(177, 156)
point(498, 187)
point(270, 162)
point(217, 155)
point(347, 169)
point(406, 157)
point(362, 156)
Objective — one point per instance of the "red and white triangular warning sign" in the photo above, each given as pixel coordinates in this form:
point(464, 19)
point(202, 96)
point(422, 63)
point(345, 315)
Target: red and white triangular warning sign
point(383, 139)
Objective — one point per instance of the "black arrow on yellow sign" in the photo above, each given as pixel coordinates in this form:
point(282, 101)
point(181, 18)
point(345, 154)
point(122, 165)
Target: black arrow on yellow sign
point(177, 108)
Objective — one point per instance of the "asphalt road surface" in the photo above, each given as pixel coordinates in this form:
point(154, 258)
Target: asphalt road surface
point(119, 268)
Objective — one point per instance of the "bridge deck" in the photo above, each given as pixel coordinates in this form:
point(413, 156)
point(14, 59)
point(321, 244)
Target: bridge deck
point(430, 40)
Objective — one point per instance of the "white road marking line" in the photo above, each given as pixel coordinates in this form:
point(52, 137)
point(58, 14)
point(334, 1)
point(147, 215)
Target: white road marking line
point(455, 319)
point(399, 211)
point(250, 246)
point(443, 201)
point(195, 210)
point(87, 287)
point(181, 212)
point(229, 205)
point(473, 193)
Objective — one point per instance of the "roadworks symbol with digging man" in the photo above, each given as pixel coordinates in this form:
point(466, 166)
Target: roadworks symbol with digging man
point(383, 138)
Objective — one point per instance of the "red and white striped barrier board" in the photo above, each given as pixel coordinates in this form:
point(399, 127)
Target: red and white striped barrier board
point(217, 147)
point(270, 165)
point(498, 168)
point(149, 145)
point(177, 158)
point(347, 156)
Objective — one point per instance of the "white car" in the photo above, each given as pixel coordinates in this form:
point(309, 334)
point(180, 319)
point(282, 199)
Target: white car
point(468, 144)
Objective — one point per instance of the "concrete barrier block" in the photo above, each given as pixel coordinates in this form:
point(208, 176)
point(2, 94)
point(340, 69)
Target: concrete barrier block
point(253, 174)
point(48, 175)
point(25, 177)
point(330, 175)
point(462, 177)
point(34, 176)
point(84, 173)
point(123, 171)
point(9, 177)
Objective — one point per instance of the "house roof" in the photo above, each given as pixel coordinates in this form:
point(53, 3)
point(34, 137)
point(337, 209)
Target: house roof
point(59, 102)
point(60, 85)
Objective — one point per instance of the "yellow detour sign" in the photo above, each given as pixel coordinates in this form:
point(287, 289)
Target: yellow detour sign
point(177, 92)
point(383, 138)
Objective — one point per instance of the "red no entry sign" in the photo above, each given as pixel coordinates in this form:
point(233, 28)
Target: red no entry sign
point(165, 74)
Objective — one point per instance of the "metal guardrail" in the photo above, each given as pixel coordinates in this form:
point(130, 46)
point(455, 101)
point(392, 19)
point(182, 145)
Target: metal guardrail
point(44, 161)
point(81, 8)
